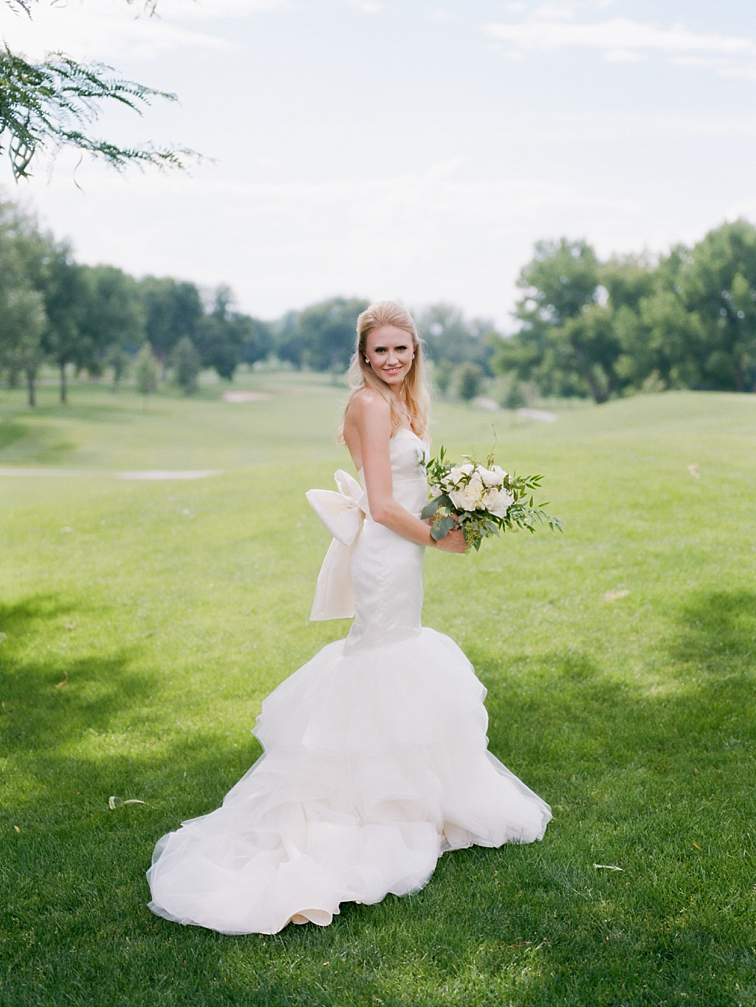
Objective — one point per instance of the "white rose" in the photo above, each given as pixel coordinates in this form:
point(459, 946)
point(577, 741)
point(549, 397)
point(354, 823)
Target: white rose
point(469, 497)
point(459, 472)
point(494, 476)
point(498, 501)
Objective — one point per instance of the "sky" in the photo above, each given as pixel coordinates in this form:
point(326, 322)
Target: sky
point(412, 149)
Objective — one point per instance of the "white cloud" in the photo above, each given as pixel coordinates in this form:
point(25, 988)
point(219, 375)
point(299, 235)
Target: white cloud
point(705, 61)
point(746, 71)
point(110, 29)
point(208, 9)
point(367, 6)
point(624, 56)
point(103, 32)
point(615, 34)
point(556, 12)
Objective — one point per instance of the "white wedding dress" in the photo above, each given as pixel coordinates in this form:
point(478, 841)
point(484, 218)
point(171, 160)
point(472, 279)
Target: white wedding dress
point(375, 752)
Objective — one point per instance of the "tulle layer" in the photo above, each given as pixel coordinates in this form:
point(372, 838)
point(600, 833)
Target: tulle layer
point(375, 764)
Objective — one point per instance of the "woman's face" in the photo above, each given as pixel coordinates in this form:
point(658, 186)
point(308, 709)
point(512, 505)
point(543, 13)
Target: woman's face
point(389, 351)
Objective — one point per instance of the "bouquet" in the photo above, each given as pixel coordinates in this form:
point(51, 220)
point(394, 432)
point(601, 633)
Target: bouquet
point(483, 500)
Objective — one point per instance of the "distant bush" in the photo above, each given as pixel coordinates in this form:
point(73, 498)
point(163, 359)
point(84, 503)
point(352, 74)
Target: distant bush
point(470, 381)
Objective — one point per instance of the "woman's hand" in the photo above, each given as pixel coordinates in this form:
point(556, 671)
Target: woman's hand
point(453, 541)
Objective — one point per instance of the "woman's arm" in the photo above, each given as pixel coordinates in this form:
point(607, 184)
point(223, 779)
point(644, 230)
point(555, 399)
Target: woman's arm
point(371, 416)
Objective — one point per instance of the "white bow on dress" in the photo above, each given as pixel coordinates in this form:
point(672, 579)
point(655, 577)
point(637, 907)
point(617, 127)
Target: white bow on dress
point(342, 512)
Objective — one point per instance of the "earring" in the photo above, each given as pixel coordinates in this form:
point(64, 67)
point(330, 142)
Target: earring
point(367, 361)
point(413, 356)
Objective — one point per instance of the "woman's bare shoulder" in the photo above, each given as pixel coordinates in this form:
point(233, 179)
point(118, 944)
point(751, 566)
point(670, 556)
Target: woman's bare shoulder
point(366, 404)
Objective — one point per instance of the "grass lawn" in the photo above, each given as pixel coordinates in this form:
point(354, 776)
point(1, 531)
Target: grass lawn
point(144, 621)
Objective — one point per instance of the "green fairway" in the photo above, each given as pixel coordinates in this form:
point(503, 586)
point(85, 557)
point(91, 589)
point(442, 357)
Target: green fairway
point(144, 621)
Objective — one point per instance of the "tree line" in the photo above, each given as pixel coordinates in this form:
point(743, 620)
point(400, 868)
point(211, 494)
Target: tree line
point(596, 328)
point(77, 317)
point(81, 318)
point(587, 327)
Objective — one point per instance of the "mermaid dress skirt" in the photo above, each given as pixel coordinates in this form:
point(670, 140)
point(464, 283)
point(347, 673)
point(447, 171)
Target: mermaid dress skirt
point(375, 757)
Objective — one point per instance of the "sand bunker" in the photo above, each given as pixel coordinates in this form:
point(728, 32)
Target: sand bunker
point(143, 474)
point(538, 414)
point(245, 397)
point(168, 474)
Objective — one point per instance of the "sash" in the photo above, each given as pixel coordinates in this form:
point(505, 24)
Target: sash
point(342, 512)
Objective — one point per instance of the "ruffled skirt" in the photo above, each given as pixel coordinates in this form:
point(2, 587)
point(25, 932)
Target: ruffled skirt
point(375, 763)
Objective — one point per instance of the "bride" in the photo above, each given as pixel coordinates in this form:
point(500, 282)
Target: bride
point(375, 757)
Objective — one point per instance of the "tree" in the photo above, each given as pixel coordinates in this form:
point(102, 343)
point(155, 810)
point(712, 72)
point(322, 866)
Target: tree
point(257, 339)
point(51, 105)
point(567, 343)
point(22, 314)
point(470, 381)
point(287, 345)
point(220, 334)
point(111, 313)
point(67, 295)
point(24, 321)
point(717, 281)
point(449, 336)
point(186, 364)
point(173, 309)
point(660, 336)
point(119, 361)
point(326, 333)
point(443, 372)
point(514, 397)
point(146, 372)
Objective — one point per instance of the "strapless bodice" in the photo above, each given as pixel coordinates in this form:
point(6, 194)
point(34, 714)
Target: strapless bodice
point(410, 485)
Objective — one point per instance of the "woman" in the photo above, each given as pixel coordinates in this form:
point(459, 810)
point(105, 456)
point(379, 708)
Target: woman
point(375, 752)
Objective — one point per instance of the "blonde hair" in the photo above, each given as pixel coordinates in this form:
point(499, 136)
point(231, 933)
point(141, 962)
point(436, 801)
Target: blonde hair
point(360, 374)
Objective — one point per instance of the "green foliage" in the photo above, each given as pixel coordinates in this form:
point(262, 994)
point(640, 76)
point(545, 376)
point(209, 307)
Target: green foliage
point(718, 284)
point(23, 319)
point(322, 337)
point(448, 335)
point(114, 312)
point(119, 361)
point(567, 344)
point(51, 104)
point(186, 364)
point(146, 372)
point(257, 339)
point(173, 309)
point(502, 501)
point(514, 396)
point(443, 372)
point(95, 315)
point(221, 334)
point(469, 381)
point(66, 292)
point(688, 320)
point(23, 323)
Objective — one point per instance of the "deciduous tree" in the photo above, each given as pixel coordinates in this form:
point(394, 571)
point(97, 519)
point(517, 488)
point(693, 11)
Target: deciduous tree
point(53, 103)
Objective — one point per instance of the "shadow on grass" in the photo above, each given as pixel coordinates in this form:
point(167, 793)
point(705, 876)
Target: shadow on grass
point(659, 782)
point(10, 432)
point(718, 633)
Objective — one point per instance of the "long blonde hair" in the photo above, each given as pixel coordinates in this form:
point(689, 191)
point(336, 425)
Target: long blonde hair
point(360, 375)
